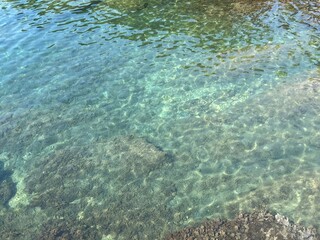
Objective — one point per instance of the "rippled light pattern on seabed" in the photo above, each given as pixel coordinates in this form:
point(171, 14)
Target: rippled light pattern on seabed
point(131, 119)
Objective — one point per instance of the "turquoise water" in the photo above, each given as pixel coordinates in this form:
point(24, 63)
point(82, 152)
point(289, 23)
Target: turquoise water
point(132, 119)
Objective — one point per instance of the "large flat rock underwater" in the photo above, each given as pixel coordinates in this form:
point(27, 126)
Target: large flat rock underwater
point(112, 187)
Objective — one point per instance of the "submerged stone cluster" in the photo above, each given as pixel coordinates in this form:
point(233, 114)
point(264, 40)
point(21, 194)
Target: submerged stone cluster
point(256, 225)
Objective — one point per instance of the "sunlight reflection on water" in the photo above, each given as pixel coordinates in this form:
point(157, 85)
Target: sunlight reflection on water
point(115, 114)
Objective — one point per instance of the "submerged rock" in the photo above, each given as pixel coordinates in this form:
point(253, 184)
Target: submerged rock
point(257, 225)
point(7, 191)
point(108, 186)
point(7, 186)
point(63, 230)
point(75, 172)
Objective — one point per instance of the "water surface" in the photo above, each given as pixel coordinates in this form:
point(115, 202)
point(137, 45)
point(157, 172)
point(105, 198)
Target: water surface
point(131, 119)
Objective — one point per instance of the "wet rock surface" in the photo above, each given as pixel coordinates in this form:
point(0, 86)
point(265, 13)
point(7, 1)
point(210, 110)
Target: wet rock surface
point(257, 225)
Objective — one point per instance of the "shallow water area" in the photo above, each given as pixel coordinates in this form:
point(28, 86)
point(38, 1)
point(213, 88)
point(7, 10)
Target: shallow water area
point(132, 119)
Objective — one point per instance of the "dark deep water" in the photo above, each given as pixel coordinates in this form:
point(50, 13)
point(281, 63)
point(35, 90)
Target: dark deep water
point(131, 119)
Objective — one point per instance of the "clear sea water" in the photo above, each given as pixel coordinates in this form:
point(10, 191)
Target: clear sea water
point(131, 119)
